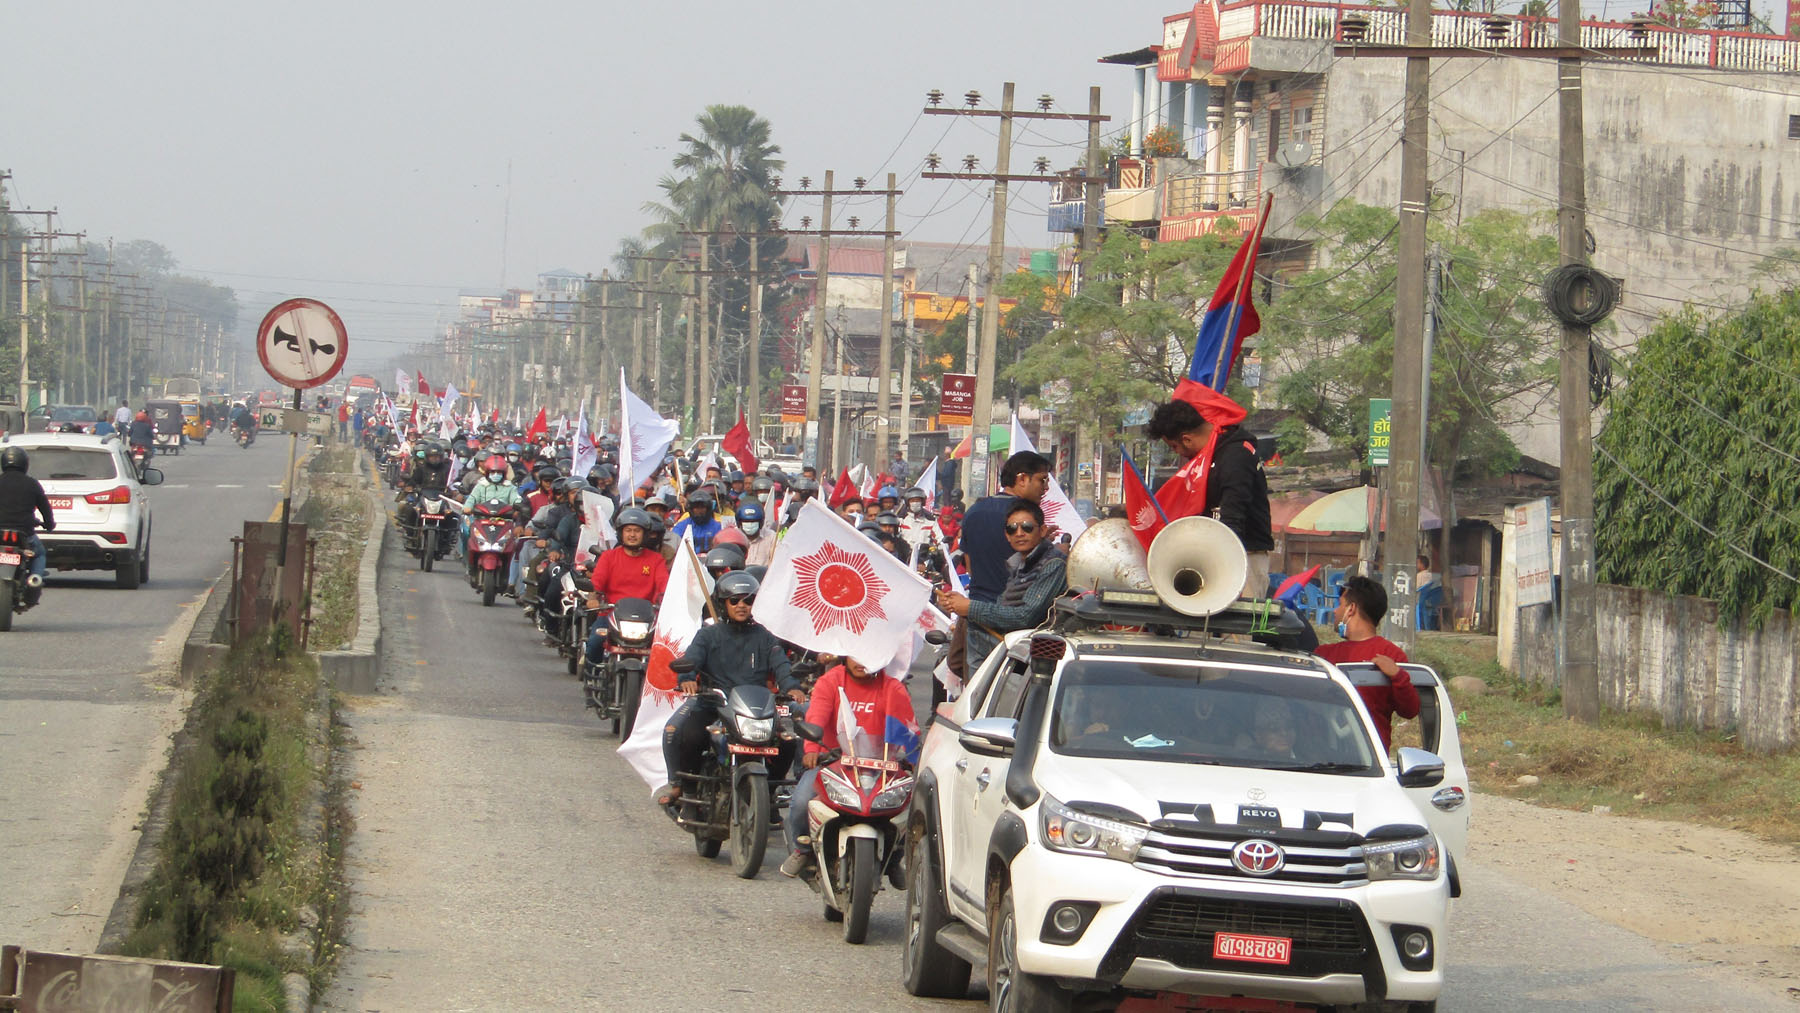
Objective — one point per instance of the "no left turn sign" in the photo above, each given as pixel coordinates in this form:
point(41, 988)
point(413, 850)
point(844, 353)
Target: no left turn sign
point(302, 343)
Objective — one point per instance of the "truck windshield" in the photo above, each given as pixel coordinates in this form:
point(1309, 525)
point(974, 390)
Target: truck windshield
point(1185, 713)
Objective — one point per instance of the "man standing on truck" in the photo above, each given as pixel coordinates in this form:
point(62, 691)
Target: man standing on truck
point(1360, 607)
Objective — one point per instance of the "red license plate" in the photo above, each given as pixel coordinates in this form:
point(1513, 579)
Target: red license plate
point(11, 558)
point(1255, 949)
point(61, 502)
point(753, 750)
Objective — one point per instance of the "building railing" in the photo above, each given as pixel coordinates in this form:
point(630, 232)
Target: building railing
point(1386, 26)
point(1198, 204)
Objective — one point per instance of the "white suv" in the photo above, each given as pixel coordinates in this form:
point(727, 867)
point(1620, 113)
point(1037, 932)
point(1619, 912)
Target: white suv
point(102, 513)
point(1108, 815)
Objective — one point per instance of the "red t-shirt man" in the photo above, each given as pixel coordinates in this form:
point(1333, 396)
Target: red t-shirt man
point(1360, 608)
point(619, 574)
point(874, 700)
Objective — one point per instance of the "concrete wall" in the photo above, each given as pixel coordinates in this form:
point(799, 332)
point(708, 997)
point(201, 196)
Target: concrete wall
point(1686, 182)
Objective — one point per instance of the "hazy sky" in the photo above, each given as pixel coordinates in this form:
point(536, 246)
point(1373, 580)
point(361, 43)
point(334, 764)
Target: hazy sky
point(358, 152)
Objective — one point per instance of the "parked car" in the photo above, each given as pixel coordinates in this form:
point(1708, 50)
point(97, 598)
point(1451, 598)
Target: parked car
point(102, 512)
point(1104, 812)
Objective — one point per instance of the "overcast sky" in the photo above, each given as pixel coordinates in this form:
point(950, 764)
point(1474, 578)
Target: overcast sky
point(358, 152)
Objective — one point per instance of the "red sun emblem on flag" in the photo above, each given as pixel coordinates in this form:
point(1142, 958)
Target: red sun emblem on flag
point(838, 588)
point(1144, 519)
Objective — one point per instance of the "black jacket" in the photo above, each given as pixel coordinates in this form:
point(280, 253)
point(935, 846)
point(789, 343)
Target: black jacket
point(141, 434)
point(732, 655)
point(20, 497)
point(1237, 490)
point(425, 475)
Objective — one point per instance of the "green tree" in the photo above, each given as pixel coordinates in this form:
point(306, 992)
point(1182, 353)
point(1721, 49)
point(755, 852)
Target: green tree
point(1703, 431)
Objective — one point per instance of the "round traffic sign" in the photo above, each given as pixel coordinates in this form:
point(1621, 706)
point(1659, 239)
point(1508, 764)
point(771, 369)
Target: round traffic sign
point(302, 343)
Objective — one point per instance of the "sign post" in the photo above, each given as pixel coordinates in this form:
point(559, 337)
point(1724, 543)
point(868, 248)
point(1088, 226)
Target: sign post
point(301, 343)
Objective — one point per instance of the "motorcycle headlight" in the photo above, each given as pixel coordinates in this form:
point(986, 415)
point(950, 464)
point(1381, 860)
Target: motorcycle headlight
point(633, 630)
point(840, 793)
point(1414, 859)
point(894, 795)
point(756, 729)
point(1080, 833)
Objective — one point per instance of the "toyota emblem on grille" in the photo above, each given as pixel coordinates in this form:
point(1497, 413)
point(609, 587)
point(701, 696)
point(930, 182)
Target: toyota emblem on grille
point(1258, 857)
point(1256, 794)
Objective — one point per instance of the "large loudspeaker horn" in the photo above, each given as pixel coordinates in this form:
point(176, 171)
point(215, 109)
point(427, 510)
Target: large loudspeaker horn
point(1108, 555)
point(1197, 566)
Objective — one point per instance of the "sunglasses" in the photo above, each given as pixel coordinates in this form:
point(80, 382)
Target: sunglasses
point(742, 599)
point(1026, 526)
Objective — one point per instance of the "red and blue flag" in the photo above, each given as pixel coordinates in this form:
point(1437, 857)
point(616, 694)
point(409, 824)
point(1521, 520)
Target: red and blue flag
point(1230, 317)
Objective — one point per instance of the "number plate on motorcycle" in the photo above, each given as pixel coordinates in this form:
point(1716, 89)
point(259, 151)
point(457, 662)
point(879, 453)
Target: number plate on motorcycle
point(61, 502)
point(753, 750)
point(11, 558)
point(1255, 949)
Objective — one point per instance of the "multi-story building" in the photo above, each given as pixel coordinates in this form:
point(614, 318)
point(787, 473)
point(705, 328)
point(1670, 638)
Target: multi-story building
point(1693, 150)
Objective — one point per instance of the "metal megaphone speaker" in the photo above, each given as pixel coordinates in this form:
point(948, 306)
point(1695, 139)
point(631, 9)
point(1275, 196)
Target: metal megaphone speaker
point(1197, 566)
point(1108, 555)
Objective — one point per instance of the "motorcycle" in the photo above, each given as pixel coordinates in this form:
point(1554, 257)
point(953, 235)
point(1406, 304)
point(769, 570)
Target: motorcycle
point(491, 545)
point(17, 582)
point(244, 435)
point(862, 790)
point(140, 459)
point(612, 687)
point(435, 527)
point(732, 795)
point(578, 618)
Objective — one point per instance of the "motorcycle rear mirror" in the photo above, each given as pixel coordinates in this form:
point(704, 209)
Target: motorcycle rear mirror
point(153, 476)
point(809, 731)
point(683, 666)
point(937, 638)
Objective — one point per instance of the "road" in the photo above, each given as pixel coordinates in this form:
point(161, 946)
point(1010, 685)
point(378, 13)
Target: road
point(506, 858)
point(88, 699)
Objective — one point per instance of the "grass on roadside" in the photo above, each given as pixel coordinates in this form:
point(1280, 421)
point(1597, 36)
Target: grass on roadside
point(1630, 762)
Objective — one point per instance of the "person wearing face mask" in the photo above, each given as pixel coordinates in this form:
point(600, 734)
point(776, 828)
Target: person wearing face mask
point(493, 485)
point(761, 537)
point(1360, 608)
point(700, 521)
point(1036, 576)
point(876, 699)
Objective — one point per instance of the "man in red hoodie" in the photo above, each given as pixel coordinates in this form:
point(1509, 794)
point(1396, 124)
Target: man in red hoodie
point(884, 713)
point(1360, 608)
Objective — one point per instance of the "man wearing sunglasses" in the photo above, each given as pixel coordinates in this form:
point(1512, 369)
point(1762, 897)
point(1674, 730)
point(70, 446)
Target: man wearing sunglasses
point(1036, 576)
point(987, 547)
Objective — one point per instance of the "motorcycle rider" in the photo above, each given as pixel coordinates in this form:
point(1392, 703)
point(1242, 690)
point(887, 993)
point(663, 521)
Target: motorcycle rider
point(20, 497)
point(761, 538)
point(430, 476)
point(492, 485)
point(243, 420)
point(736, 651)
point(700, 521)
point(627, 570)
point(884, 713)
point(142, 433)
point(915, 505)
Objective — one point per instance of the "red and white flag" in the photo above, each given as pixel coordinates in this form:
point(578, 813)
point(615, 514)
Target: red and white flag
point(423, 388)
point(927, 484)
point(843, 491)
point(832, 590)
point(1059, 513)
point(678, 618)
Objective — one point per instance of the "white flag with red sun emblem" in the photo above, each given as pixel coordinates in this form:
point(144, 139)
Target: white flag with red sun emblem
point(678, 617)
point(833, 590)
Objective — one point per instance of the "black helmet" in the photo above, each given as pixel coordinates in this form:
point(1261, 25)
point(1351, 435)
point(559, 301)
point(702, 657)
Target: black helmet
point(762, 484)
point(804, 485)
point(736, 584)
point(887, 519)
point(698, 500)
point(758, 571)
point(870, 528)
point(633, 515)
point(915, 493)
point(14, 459)
point(654, 534)
point(724, 557)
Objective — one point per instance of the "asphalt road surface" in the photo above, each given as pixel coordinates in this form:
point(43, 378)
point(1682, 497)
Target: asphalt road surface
point(88, 697)
point(506, 858)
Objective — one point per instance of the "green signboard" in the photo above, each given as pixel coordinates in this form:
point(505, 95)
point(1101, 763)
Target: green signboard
point(1381, 430)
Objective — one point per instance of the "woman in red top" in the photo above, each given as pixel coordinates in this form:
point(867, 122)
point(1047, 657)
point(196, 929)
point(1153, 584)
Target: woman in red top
point(1360, 608)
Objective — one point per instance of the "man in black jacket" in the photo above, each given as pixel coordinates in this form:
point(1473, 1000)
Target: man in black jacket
point(1237, 489)
point(22, 501)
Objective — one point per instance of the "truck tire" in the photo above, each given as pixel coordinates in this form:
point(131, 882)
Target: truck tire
point(927, 969)
point(1011, 990)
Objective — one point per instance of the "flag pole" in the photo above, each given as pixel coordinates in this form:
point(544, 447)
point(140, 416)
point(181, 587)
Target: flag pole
point(1237, 297)
point(688, 547)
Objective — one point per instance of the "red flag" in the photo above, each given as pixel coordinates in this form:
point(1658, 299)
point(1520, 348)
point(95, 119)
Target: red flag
point(413, 423)
point(844, 491)
point(1142, 511)
point(737, 444)
point(539, 427)
point(424, 388)
point(494, 417)
point(1184, 495)
point(961, 450)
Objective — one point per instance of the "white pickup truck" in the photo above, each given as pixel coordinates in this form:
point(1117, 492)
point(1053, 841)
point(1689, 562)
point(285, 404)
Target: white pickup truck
point(1107, 818)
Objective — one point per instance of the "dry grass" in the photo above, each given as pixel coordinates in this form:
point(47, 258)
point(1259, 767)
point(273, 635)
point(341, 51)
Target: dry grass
point(1630, 762)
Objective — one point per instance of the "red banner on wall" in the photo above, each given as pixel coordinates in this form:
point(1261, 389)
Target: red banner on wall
point(957, 406)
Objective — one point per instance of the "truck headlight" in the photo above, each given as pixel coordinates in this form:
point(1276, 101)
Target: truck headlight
point(1413, 859)
point(1080, 833)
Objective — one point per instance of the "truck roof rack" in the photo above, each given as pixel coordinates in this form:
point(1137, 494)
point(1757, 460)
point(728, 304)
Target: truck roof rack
point(1260, 619)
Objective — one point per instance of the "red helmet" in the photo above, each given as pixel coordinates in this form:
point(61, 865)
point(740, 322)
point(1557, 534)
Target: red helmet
point(494, 462)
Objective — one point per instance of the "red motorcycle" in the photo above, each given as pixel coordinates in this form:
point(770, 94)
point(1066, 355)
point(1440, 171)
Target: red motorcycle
point(491, 547)
point(851, 820)
point(140, 459)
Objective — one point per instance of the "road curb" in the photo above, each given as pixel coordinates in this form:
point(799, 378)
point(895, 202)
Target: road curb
point(354, 669)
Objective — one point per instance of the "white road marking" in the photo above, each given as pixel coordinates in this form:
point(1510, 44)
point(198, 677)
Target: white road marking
point(220, 486)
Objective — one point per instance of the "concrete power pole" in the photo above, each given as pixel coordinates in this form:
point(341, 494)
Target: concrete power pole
point(885, 357)
point(754, 394)
point(816, 358)
point(990, 320)
point(1092, 191)
point(1580, 646)
point(704, 405)
point(906, 361)
point(970, 364)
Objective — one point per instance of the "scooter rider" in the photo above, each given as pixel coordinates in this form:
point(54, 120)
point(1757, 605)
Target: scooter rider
point(700, 521)
point(492, 485)
point(20, 497)
point(736, 651)
point(880, 702)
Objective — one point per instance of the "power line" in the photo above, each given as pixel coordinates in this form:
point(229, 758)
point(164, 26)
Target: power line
point(1733, 546)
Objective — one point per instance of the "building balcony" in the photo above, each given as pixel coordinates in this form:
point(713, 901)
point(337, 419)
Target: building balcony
point(1241, 24)
point(1066, 216)
point(1204, 203)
